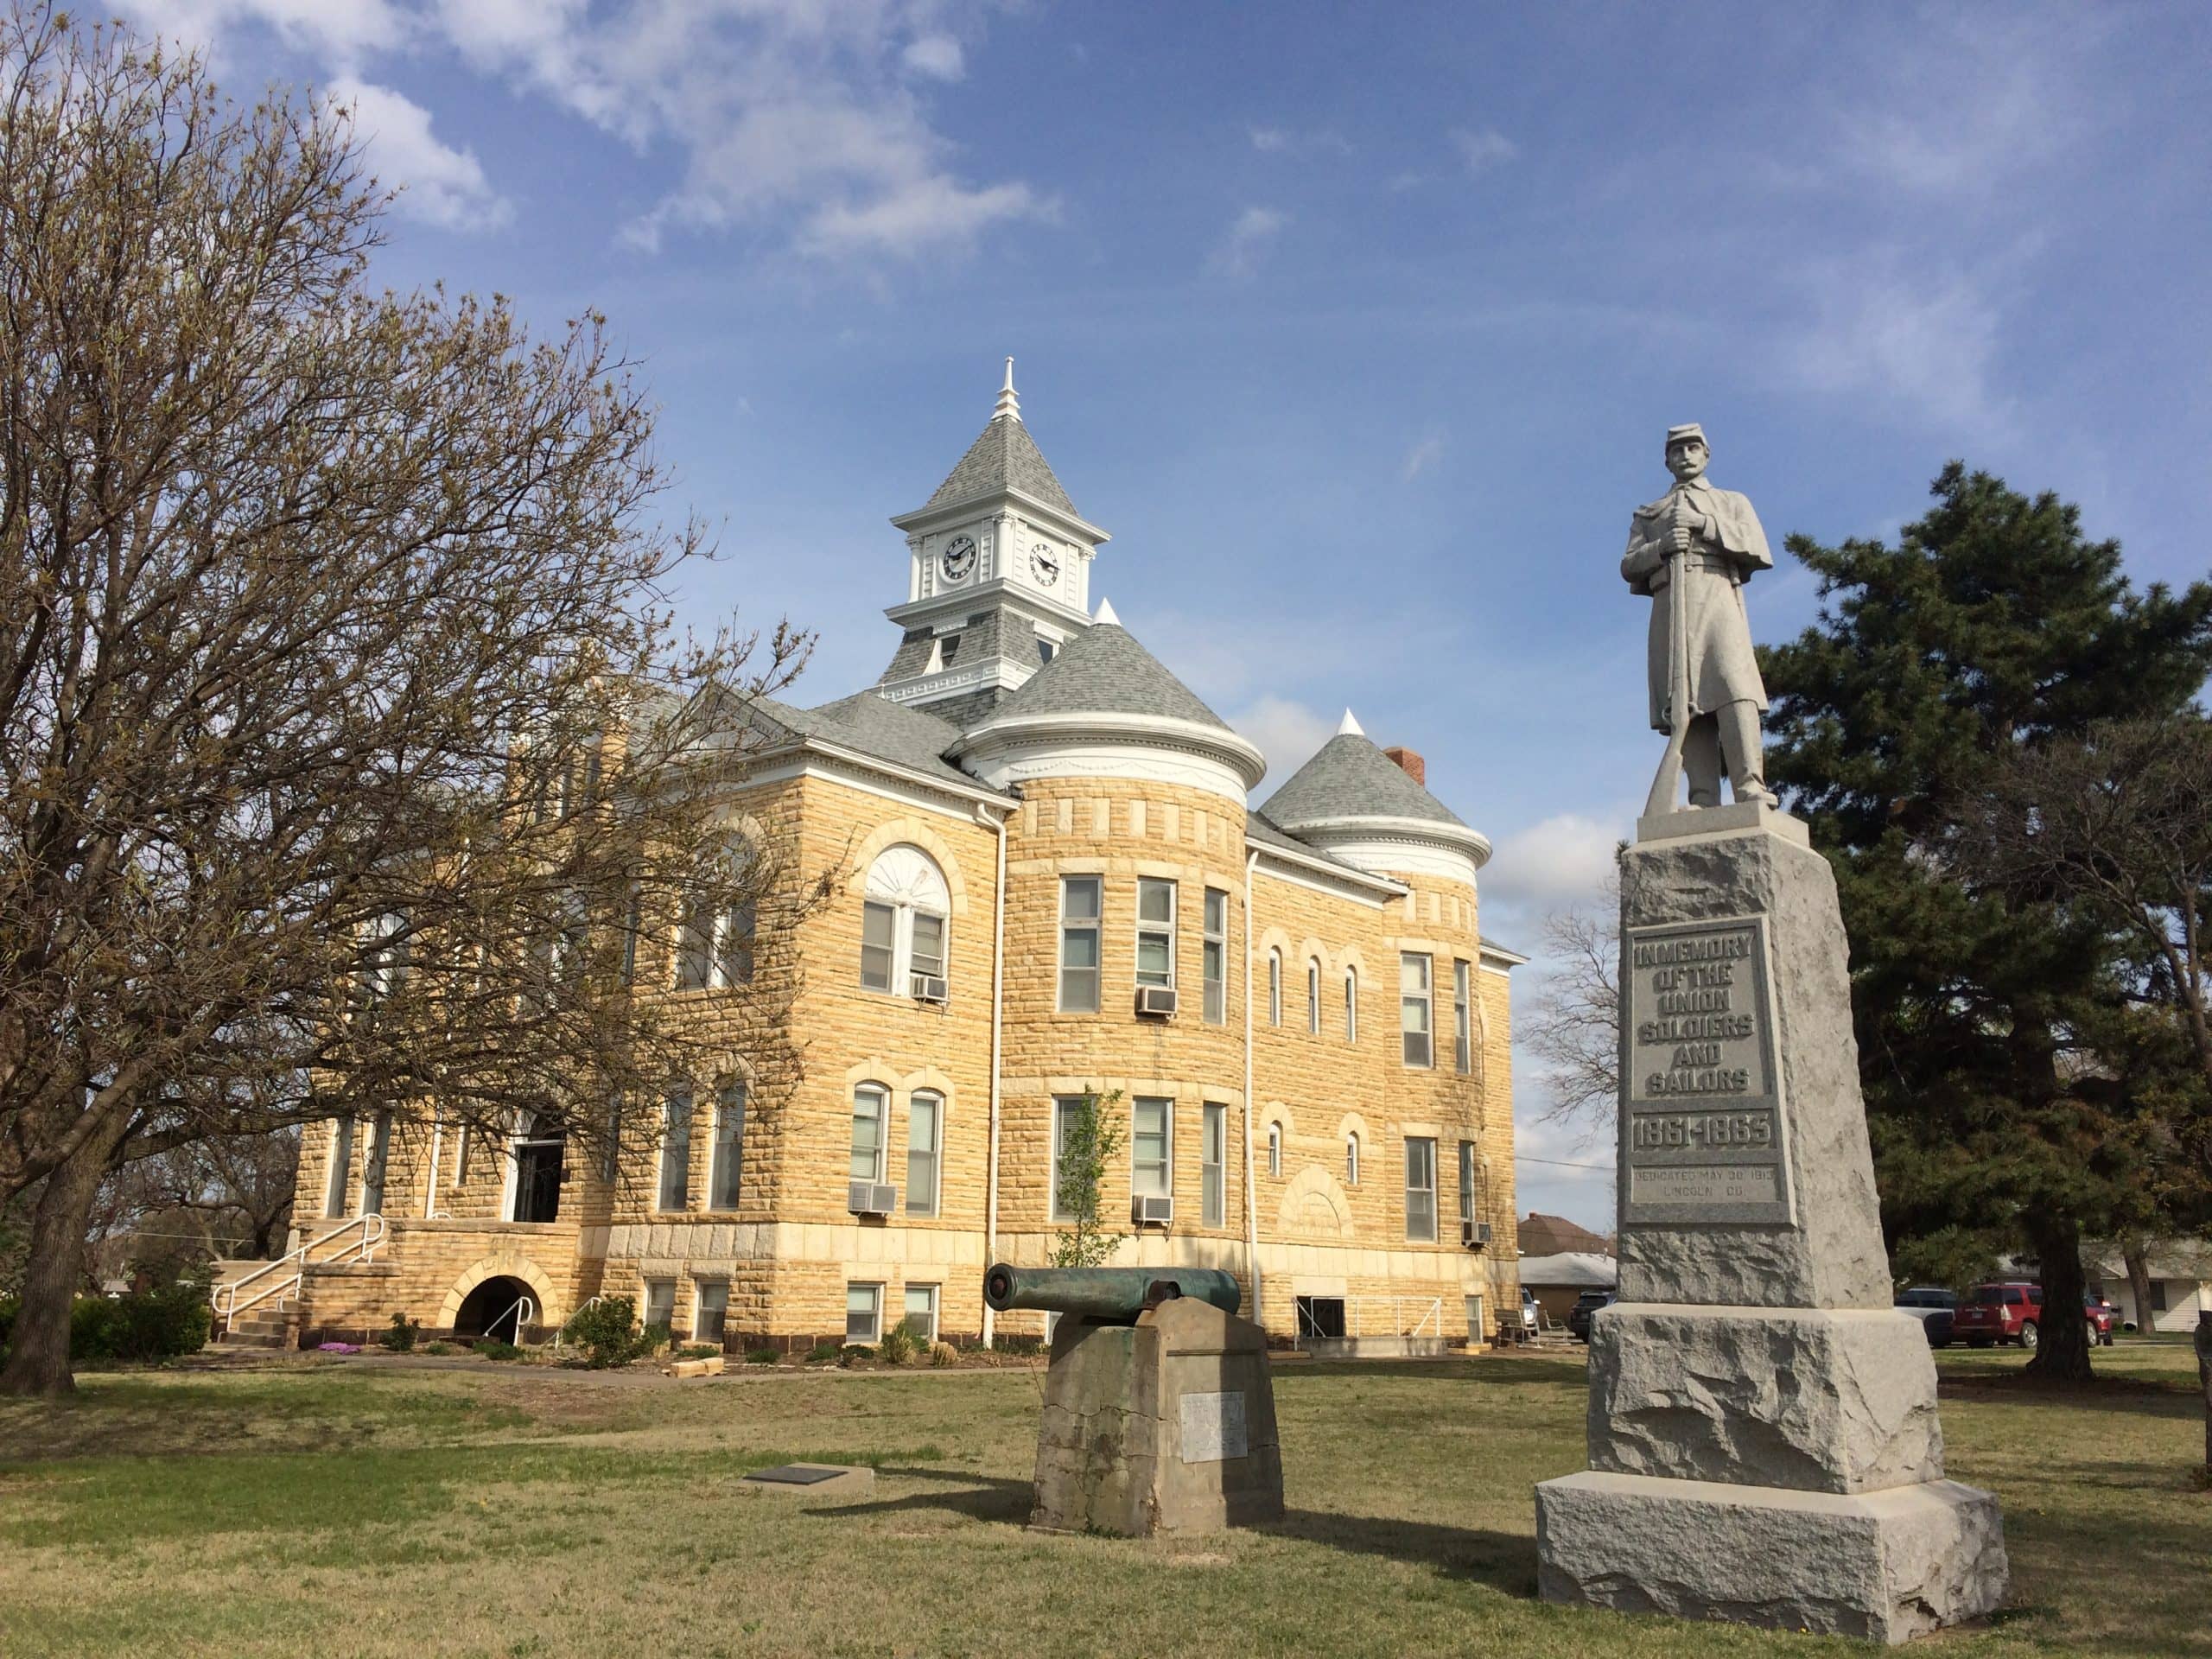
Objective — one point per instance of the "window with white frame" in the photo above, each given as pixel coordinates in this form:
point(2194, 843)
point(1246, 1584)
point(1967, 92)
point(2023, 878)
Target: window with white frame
point(1415, 1007)
point(676, 1150)
point(921, 1313)
point(1213, 1157)
point(342, 1159)
point(1152, 1146)
point(1313, 996)
point(1156, 932)
point(1421, 1190)
point(903, 923)
point(1275, 1150)
point(925, 1143)
point(375, 1165)
point(710, 1315)
point(870, 1106)
point(864, 1314)
point(725, 1178)
point(1463, 1019)
point(1466, 1180)
point(713, 947)
point(1079, 918)
point(1352, 1159)
point(1352, 1005)
point(660, 1303)
point(1274, 987)
point(383, 955)
point(1214, 963)
point(1066, 1109)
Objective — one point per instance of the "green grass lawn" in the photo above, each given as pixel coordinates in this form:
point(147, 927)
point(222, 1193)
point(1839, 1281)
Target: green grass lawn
point(341, 1507)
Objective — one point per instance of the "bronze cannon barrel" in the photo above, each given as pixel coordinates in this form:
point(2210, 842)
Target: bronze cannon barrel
point(1105, 1292)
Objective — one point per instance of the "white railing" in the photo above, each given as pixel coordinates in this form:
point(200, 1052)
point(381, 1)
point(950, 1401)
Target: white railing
point(562, 1335)
point(525, 1313)
point(1363, 1317)
point(286, 1272)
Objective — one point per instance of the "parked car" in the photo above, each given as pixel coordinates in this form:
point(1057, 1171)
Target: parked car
point(1578, 1317)
point(2104, 1317)
point(1531, 1314)
point(2007, 1311)
point(1936, 1308)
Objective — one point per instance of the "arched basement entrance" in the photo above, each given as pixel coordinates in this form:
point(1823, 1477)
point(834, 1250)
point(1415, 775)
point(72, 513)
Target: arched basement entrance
point(494, 1309)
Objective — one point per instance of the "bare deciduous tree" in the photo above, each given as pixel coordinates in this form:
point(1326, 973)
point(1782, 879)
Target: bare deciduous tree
point(346, 753)
point(1573, 1027)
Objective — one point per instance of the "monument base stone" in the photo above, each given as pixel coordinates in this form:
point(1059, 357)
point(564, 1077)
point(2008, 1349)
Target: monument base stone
point(1884, 1566)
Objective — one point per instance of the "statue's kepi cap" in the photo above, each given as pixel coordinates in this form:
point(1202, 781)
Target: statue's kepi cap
point(1682, 434)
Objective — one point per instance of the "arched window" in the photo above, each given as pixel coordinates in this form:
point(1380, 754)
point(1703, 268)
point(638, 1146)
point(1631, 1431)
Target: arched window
point(1274, 1149)
point(1274, 987)
point(1313, 996)
point(871, 1108)
point(903, 926)
point(539, 1151)
point(1352, 1159)
point(714, 948)
point(1352, 1005)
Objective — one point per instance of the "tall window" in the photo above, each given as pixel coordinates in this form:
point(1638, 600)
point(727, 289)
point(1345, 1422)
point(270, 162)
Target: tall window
point(714, 948)
point(540, 1152)
point(1421, 1191)
point(725, 1181)
point(1064, 1110)
point(383, 955)
point(921, 1312)
point(341, 1161)
point(660, 1303)
point(1463, 1019)
point(903, 923)
point(1152, 1147)
point(1466, 1180)
point(710, 1318)
point(1274, 987)
point(1213, 1152)
point(924, 1135)
point(1352, 1159)
point(1313, 996)
point(1214, 966)
point(1079, 900)
point(863, 1312)
point(1352, 1005)
point(633, 922)
point(1155, 932)
point(1415, 1009)
point(1275, 1150)
point(374, 1165)
point(675, 1150)
point(869, 1101)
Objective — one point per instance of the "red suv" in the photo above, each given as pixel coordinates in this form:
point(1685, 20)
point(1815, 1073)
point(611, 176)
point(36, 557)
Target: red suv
point(2011, 1312)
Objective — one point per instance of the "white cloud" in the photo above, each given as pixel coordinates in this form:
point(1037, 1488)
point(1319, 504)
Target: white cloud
point(437, 184)
point(1275, 141)
point(1287, 733)
point(1926, 341)
point(1559, 863)
point(1238, 256)
point(1422, 457)
point(341, 32)
point(1269, 140)
point(1483, 148)
point(938, 56)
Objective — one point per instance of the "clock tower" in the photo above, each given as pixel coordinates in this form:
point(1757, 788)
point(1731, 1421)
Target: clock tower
point(998, 579)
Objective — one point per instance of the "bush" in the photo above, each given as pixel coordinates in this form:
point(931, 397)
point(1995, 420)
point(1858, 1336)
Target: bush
point(653, 1339)
point(897, 1346)
point(153, 1325)
point(490, 1350)
point(854, 1353)
point(401, 1337)
point(695, 1350)
point(762, 1355)
point(7, 1320)
point(440, 1348)
point(822, 1353)
point(942, 1354)
point(1020, 1346)
point(605, 1331)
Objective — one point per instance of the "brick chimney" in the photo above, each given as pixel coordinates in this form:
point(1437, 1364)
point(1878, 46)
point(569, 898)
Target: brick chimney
point(1409, 763)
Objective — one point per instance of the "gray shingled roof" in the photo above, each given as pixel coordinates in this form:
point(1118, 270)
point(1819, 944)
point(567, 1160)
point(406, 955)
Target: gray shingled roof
point(1352, 778)
point(1004, 457)
point(874, 725)
point(1104, 670)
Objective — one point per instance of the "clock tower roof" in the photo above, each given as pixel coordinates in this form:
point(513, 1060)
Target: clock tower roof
point(1003, 457)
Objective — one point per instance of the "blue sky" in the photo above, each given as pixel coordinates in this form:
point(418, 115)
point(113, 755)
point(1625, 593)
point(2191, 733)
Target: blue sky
point(1359, 327)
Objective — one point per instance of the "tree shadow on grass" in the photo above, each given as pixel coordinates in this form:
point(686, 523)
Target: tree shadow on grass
point(1492, 1373)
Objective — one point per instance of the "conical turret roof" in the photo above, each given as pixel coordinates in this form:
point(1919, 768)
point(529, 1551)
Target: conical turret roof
point(1104, 670)
point(1350, 778)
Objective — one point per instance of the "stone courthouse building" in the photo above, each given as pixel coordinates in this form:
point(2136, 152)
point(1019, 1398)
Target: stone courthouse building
point(1048, 883)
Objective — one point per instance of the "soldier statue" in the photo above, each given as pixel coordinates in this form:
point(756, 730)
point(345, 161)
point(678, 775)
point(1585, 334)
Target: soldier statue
point(1691, 550)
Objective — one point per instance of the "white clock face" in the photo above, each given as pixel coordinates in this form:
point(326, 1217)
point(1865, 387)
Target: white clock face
point(958, 558)
point(1043, 565)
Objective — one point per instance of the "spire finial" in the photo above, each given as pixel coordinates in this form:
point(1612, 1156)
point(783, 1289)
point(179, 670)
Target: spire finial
point(1350, 727)
point(1105, 613)
point(1009, 404)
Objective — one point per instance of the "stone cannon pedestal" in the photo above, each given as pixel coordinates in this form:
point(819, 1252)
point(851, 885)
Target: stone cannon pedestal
point(1164, 1425)
point(1763, 1440)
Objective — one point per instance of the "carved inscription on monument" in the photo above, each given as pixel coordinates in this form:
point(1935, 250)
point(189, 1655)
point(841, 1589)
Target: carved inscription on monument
point(1213, 1427)
point(1702, 1137)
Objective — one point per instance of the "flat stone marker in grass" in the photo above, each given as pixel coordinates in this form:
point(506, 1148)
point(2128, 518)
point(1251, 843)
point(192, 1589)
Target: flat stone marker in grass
point(811, 1480)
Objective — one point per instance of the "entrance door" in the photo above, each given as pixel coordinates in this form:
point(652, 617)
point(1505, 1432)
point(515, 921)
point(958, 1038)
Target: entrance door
point(1321, 1318)
point(538, 1161)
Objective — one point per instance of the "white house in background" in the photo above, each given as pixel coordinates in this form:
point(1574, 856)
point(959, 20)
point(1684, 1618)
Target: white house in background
point(2181, 1282)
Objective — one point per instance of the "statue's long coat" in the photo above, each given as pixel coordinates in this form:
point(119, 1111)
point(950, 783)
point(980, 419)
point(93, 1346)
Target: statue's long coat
point(1722, 668)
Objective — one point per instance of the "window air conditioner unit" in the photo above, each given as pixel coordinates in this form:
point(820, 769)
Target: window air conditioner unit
point(926, 987)
point(1156, 999)
point(1152, 1212)
point(1474, 1234)
point(872, 1199)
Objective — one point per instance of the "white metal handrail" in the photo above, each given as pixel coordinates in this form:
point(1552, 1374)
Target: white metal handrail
point(524, 1309)
point(289, 1269)
point(1429, 1318)
point(562, 1335)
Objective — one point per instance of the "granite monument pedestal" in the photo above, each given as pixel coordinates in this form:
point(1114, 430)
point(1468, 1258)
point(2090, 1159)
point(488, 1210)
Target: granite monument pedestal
point(1763, 1440)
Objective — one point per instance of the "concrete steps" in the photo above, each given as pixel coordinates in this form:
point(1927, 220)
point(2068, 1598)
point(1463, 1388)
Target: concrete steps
point(257, 1329)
